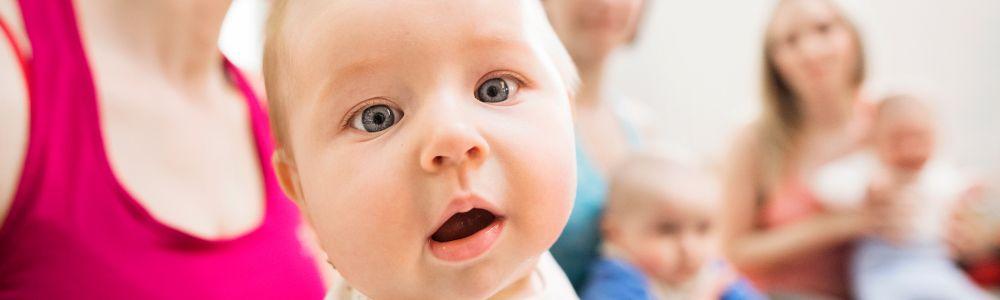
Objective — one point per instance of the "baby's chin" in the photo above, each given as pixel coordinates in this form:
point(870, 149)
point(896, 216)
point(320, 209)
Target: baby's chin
point(504, 279)
point(487, 277)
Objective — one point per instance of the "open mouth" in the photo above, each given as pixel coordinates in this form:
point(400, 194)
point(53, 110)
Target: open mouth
point(462, 225)
point(466, 235)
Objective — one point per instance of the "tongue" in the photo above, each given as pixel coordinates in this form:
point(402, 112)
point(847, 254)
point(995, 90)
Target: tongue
point(462, 225)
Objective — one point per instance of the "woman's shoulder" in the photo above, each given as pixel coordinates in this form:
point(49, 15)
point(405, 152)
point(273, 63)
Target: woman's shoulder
point(746, 142)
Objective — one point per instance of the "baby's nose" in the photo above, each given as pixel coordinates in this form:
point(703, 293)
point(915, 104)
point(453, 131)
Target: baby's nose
point(451, 145)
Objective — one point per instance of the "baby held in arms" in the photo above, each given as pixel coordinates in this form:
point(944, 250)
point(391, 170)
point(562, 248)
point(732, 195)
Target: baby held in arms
point(428, 143)
point(911, 260)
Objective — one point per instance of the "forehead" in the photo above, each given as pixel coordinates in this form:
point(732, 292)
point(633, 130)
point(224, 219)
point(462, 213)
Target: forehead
point(903, 108)
point(681, 203)
point(367, 33)
point(909, 118)
point(792, 14)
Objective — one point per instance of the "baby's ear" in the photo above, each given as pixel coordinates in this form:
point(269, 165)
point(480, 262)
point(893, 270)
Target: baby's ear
point(288, 176)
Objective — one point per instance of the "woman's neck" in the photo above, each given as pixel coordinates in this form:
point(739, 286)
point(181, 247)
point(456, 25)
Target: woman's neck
point(179, 38)
point(592, 74)
point(827, 115)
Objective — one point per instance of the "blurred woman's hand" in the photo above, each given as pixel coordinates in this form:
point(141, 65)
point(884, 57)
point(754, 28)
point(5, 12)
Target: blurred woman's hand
point(889, 211)
point(969, 235)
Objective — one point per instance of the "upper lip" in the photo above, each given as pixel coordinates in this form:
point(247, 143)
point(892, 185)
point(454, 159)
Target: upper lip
point(464, 202)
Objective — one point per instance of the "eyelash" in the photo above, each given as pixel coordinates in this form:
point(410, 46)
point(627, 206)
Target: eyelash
point(521, 81)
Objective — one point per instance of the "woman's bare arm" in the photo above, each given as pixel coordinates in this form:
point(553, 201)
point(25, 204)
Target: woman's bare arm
point(751, 247)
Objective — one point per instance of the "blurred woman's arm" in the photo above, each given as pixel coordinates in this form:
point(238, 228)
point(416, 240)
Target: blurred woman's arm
point(752, 248)
point(13, 117)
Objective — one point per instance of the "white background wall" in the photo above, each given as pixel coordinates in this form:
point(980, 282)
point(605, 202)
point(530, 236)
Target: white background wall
point(696, 65)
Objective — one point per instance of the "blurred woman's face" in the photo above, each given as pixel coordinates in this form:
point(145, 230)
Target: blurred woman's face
point(592, 29)
point(814, 49)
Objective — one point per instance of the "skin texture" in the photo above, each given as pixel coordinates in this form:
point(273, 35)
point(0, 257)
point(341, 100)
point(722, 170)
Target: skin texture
point(815, 54)
point(376, 198)
point(592, 31)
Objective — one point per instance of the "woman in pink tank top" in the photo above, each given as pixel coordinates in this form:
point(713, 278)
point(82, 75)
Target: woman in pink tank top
point(776, 231)
point(143, 171)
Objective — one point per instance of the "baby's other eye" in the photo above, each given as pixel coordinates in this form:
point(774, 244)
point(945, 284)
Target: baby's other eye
point(495, 90)
point(376, 118)
point(791, 40)
point(824, 28)
point(668, 228)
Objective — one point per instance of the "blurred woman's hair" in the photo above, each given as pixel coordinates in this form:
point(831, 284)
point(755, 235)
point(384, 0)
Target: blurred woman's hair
point(780, 125)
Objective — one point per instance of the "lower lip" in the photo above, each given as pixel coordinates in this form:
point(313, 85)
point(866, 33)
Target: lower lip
point(469, 247)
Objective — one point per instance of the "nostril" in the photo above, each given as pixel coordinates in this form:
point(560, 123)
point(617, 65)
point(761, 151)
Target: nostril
point(474, 153)
point(438, 160)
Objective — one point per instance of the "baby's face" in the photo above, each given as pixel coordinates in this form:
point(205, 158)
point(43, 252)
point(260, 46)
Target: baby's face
point(905, 141)
point(671, 241)
point(432, 142)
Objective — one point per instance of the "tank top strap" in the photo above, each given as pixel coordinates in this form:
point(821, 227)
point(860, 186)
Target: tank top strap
point(15, 47)
point(63, 130)
point(64, 111)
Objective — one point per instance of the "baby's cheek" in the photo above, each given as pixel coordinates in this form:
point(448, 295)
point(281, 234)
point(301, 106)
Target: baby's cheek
point(537, 151)
point(659, 258)
point(542, 174)
point(359, 219)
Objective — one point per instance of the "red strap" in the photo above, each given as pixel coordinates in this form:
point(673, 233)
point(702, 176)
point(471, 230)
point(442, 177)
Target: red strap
point(22, 60)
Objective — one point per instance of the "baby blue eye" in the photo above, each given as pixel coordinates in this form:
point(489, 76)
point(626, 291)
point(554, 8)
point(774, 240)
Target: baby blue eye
point(496, 90)
point(376, 118)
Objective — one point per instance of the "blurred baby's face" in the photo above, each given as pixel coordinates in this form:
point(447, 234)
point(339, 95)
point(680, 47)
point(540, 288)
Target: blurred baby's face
point(905, 139)
point(431, 141)
point(671, 241)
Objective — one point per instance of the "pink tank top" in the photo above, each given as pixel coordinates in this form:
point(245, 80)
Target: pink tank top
point(820, 273)
point(73, 232)
point(823, 272)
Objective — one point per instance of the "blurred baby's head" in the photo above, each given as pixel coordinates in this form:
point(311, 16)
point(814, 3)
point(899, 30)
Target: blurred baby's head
point(904, 132)
point(429, 143)
point(659, 215)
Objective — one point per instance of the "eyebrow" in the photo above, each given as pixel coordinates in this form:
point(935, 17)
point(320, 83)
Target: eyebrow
point(359, 66)
point(499, 41)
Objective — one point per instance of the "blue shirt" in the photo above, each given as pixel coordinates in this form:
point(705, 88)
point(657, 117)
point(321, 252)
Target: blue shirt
point(616, 279)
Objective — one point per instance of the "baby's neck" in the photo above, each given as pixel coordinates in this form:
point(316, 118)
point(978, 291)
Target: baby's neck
point(527, 285)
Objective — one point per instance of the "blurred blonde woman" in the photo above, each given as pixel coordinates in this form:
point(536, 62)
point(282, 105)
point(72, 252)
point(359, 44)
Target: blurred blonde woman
point(776, 231)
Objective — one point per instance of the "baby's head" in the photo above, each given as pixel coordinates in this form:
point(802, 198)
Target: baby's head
point(659, 216)
point(904, 134)
point(429, 143)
